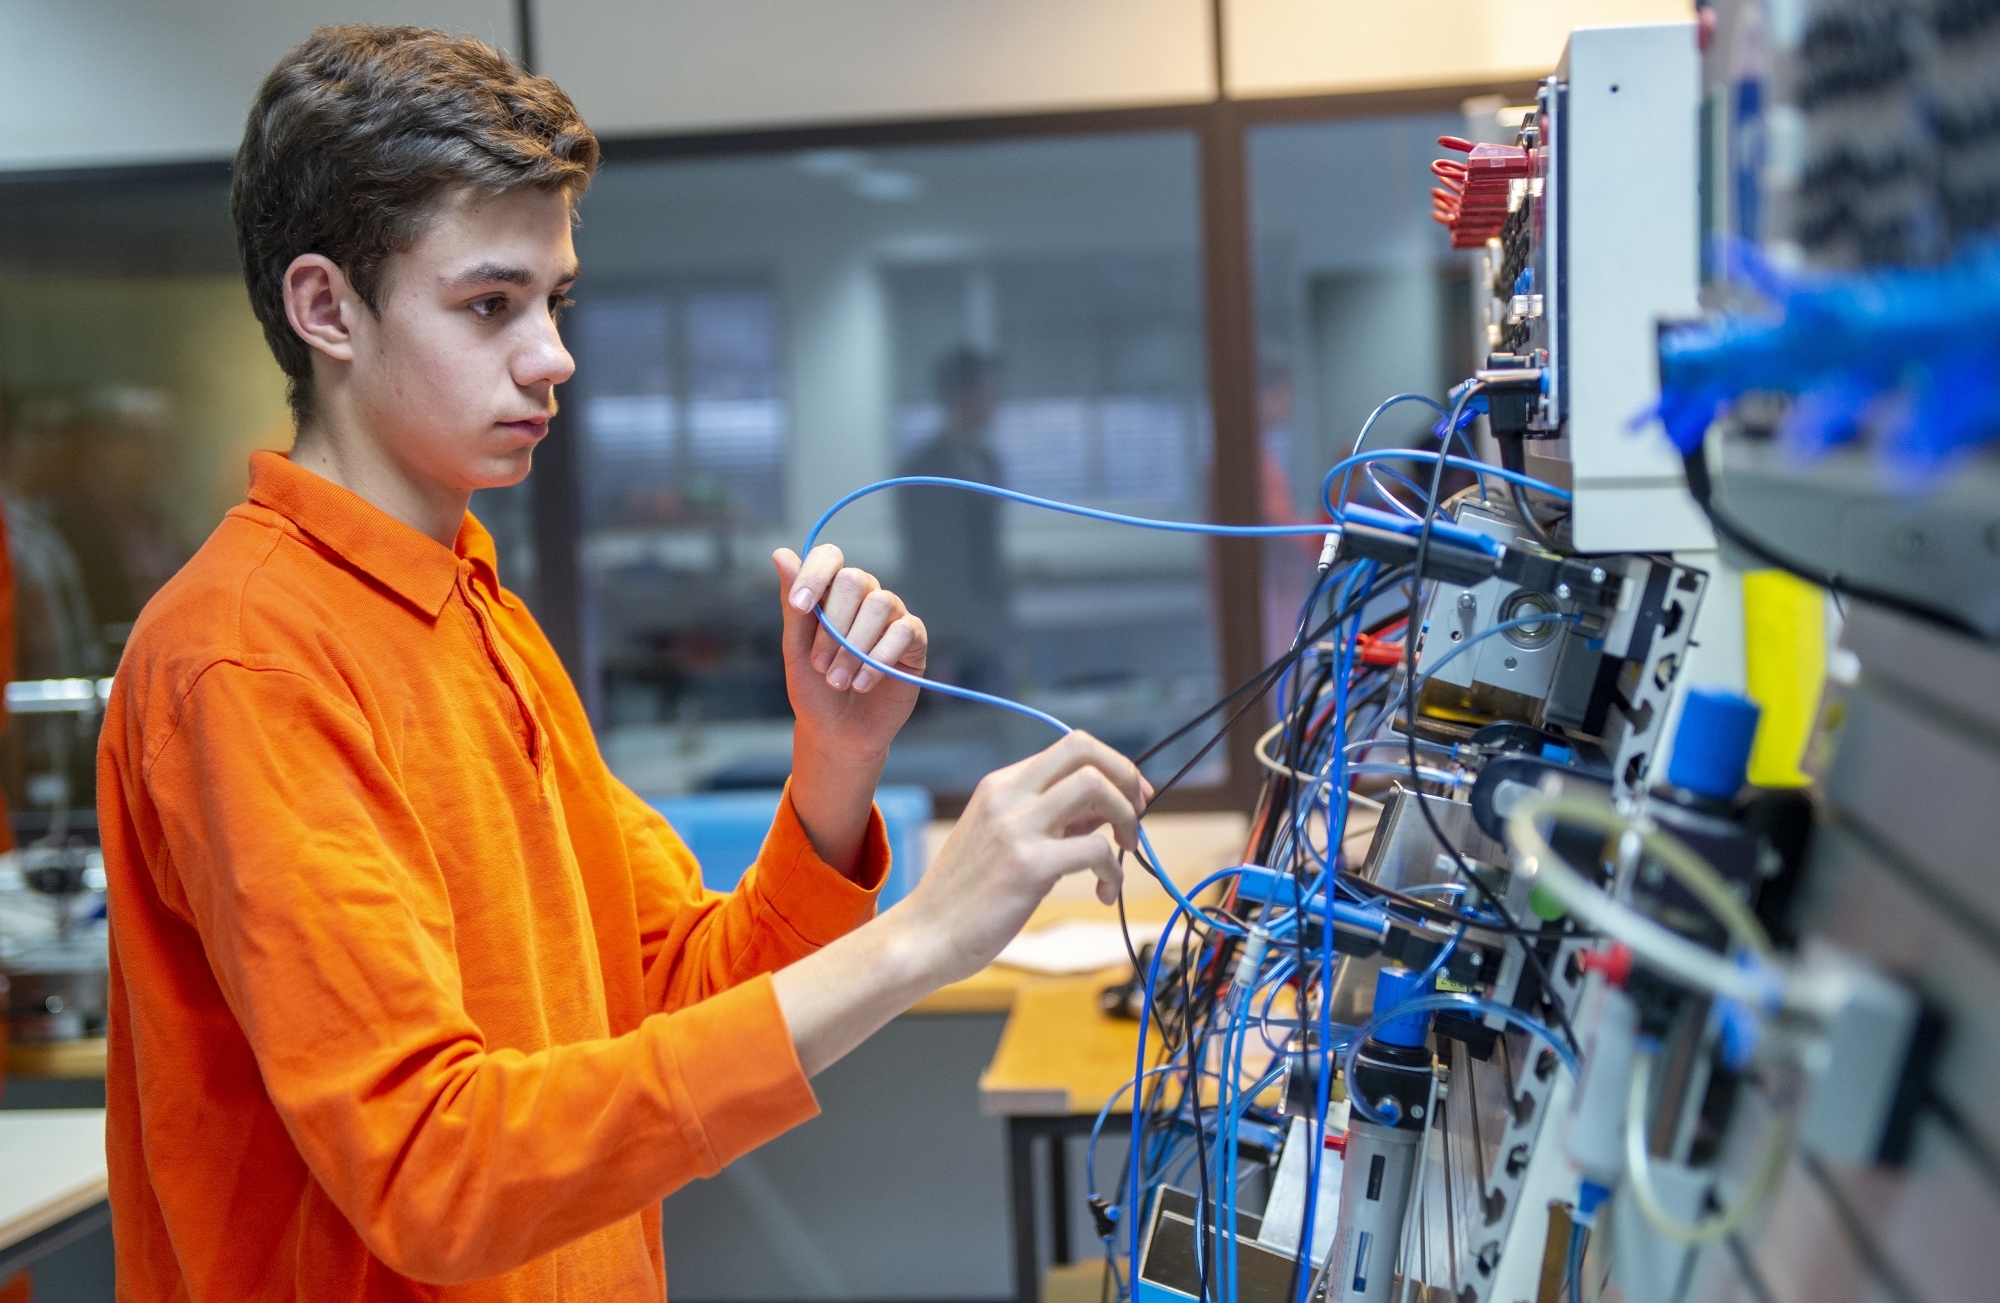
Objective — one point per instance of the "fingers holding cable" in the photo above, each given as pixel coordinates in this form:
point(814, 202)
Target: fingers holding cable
point(875, 622)
point(904, 644)
point(1085, 801)
point(804, 583)
point(1048, 768)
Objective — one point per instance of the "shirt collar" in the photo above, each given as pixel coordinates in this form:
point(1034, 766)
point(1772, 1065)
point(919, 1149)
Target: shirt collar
point(476, 545)
point(410, 564)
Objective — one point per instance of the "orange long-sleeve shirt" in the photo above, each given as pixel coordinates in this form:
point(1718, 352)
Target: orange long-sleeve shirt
point(407, 989)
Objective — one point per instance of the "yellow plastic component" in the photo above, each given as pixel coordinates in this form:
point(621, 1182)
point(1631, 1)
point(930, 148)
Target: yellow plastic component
point(1784, 645)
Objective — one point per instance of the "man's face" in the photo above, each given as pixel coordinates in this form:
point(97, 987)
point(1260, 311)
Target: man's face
point(456, 380)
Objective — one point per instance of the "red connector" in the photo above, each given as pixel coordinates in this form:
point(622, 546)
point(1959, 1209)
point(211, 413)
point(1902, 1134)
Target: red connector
point(1615, 963)
point(1377, 651)
point(1472, 201)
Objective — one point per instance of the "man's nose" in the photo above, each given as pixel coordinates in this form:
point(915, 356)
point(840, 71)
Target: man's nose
point(544, 361)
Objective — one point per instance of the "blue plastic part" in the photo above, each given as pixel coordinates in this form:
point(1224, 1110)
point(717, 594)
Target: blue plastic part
point(1589, 1198)
point(1562, 755)
point(1909, 357)
point(1712, 745)
point(1260, 885)
point(1740, 1030)
point(1442, 531)
point(1525, 282)
point(1256, 883)
point(1392, 987)
point(725, 830)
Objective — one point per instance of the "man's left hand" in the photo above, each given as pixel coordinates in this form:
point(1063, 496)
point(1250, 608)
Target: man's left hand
point(844, 703)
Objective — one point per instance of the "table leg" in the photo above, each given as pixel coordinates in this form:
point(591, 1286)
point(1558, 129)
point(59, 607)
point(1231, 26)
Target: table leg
point(1059, 1196)
point(1021, 1184)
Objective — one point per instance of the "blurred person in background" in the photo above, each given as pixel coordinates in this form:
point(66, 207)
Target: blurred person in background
point(954, 564)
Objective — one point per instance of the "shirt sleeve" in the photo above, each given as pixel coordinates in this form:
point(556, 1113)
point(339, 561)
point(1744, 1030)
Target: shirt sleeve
point(292, 851)
point(790, 903)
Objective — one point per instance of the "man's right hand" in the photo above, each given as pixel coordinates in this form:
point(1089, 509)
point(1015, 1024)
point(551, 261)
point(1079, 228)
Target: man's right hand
point(1026, 827)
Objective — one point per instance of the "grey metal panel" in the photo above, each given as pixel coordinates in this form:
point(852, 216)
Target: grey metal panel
point(1936, 547)
point(1960, 674)
point(1800, 1254)
point(1930, 1227)
point(1930, 794)
point(1870, 908)
point(1936, 1221)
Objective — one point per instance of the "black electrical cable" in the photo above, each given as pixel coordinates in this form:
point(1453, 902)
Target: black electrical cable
point(1514, 457)
point(1263, 681)
point(1208, 1213)
point(1271, 670)
point(1702, 488)
point(1410, 635)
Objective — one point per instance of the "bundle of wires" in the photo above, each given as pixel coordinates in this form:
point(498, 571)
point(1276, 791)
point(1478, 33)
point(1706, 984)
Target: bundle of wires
point(1243, 1006)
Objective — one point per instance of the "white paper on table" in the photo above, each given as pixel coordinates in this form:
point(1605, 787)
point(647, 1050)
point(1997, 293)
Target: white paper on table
point(1063, 949)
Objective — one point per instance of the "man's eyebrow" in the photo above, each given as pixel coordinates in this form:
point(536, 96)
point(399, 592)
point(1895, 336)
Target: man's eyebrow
point(489, 273)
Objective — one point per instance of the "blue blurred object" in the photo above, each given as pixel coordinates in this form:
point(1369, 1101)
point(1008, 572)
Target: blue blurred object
point(1909, 355)
point(1392, 987)
point(1712, 744)
point(725, 830)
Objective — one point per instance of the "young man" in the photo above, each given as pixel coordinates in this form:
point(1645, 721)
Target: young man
point(408, 991)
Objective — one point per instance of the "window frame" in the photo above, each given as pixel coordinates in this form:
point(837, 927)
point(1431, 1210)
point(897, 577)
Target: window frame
point(1221, 128)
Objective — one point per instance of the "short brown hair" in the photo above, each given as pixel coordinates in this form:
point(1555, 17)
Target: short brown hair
point(356, 135)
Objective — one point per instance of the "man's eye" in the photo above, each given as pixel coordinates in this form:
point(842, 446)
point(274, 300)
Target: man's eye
point(558, 302)
point(486, 309)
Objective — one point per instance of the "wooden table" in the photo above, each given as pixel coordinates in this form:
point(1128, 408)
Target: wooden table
point(57, 1059)
point(52, 1182)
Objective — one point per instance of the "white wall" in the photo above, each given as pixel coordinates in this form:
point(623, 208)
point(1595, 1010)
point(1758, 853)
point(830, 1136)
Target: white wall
point(96, 82)
point(99, 82)
point(653, 66)
point(1314, 47)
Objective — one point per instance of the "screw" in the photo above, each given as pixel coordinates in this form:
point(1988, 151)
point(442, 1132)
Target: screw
point(1562, 592)
point(1467, 602)
point(1597, 574)
point(1417, 1112)
point(54, 1004)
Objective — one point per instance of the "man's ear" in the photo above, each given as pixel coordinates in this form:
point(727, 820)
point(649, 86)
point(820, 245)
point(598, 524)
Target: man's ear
point(316, 297)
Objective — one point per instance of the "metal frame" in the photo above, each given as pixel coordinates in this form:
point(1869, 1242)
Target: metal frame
point(1022, 1133)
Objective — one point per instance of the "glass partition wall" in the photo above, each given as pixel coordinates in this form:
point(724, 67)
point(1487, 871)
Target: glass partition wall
point(758, 333)
point(1359, 297)
point(757, 336)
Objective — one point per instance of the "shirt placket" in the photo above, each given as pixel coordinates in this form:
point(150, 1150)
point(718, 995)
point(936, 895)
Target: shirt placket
point(496, 653)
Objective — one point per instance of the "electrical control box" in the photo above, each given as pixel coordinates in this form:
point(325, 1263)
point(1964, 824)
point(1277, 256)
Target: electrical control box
point(1600, 241)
